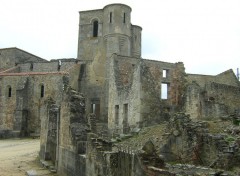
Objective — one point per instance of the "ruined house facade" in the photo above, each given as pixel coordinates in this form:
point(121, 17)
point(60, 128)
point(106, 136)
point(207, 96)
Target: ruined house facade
point(119, 90)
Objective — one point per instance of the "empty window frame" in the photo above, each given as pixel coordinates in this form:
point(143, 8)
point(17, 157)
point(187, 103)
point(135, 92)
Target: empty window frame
point(42, 91)
point(95, 107)
point(9, 91)
point(110, 17)
point(31, 66)
point(124, 17)
point(59, 65)
point(125, 113)
point(165, 73)
point(95, 28)
point(116, 114)
point(164, 91)
point(83, 71)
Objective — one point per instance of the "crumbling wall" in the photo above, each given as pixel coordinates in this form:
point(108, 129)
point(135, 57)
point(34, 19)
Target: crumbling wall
point(155, 108)
point(92, 80)
point(104, 159)
point(225, 96)
point(124, 93)
point(212, 96)
point(190, 142)
point(26, 104)
point(213, 101)
point(72, 132)
point(136, 84)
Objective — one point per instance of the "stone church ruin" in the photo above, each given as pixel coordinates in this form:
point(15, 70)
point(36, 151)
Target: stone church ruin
point(90, 112)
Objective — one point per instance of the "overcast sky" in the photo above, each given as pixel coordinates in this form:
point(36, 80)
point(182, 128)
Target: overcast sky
point(204, 34)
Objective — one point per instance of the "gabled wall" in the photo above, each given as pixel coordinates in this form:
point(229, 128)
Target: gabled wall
point(9, 57)
point(212, 96)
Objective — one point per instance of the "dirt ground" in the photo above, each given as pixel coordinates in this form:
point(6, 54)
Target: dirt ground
point(17, 156)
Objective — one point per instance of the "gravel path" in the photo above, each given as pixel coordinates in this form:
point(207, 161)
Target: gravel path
point(18, 156)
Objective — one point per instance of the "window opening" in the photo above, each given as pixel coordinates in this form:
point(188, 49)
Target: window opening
point(125, 118)
point(165, 73)
point(124, 17)
point(125, 112)
point(9, 92)
point(83, 70)
point(31, 67)
point(95, 108)
point(164, 91)
point(116, 114)
point(42, 91)
point(110, 17)
point(95, 28)
point(59, 64)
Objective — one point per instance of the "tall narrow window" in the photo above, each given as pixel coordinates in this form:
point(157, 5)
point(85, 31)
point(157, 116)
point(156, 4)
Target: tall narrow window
point(59, 64)
point(42, 91)
point(110, 17)
point(95, 28)
point(116, 114)
point(124, 17)
point(95, 107)
point(125, 112)
point(165, 73)
point(125, 119)
point(164, 91)
point(31, 67)
point(9, 92)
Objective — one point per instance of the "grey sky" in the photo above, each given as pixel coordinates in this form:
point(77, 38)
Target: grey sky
point(204, 34)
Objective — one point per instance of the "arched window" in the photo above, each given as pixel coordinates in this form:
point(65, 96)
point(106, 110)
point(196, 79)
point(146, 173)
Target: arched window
point(31, 66)
point(42, 90)
point(95, 28)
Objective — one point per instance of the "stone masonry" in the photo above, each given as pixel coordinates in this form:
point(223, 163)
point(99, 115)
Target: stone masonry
point(77, 105)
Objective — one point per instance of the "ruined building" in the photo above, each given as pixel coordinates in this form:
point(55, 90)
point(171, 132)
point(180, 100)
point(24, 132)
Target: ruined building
point(108, 89)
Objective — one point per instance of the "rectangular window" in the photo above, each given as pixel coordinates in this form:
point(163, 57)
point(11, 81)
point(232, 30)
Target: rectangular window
point(9, 92)
point(95, 107)
point(42, 91)
point(124, 18)
point(110, 17)
point(125, 112)
point(165, 73)
point(164, 91)
point(116, 114)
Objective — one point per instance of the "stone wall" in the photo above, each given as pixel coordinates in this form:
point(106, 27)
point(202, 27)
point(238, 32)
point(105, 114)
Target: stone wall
point(191, 142)
point(154, 107)
point(73, 130)
point(135, 91)
point(102, 159)
point(124, 92)
point(52, 66)
point(228, 77)
point(212, 96)
point(27, 100)
point(89, 46)
point(9, 57)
